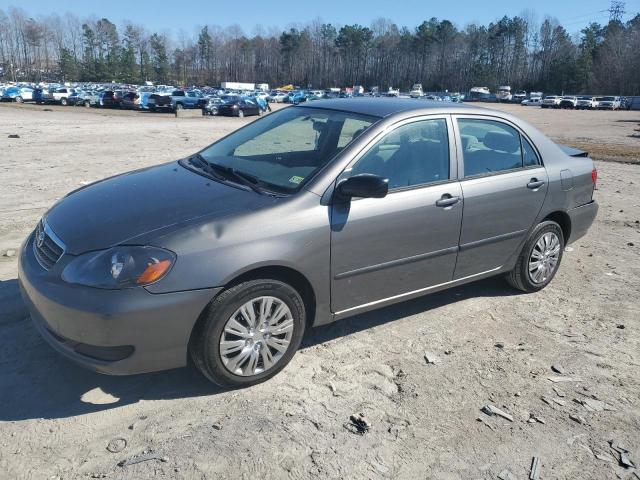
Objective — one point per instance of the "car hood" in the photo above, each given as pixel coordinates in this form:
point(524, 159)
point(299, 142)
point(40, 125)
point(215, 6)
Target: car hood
point(119, 209)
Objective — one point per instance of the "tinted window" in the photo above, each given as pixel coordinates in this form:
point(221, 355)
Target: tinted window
point(413, 154)
point(351, 129)
point(489, 146)
point(529, 157)
point(284, 148)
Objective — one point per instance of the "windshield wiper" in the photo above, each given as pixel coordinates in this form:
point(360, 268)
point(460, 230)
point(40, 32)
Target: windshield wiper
point(244, 178)
point(198, 161)
point(222, 172)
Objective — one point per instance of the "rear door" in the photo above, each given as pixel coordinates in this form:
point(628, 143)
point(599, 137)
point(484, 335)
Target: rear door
point(383, 248)
point(504, 185)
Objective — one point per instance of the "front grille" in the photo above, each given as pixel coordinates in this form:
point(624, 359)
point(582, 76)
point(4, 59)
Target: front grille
point(46, 249)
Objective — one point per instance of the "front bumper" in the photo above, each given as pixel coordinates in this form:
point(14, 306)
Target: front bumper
point(581, 219)
point(118, 332)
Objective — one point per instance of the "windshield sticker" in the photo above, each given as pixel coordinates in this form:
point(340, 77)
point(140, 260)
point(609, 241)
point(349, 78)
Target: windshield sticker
point(296, 179)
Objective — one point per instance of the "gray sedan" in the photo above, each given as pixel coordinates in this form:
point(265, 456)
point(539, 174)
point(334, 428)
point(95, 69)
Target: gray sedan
point(309, 215)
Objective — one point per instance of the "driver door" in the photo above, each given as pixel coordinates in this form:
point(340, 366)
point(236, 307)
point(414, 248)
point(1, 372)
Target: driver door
point(408, 241)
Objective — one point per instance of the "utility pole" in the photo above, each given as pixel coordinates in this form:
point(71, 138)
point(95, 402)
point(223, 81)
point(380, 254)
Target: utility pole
point(616, 11)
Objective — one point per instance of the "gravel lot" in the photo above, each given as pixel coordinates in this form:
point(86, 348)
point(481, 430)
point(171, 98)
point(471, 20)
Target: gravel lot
point(494, 346)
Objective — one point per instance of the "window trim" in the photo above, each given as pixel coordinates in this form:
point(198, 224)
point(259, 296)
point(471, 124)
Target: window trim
point(453, 164)
point(492, 118)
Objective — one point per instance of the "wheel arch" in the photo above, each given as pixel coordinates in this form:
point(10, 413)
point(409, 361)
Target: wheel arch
point(561, 218)
point(288, 275)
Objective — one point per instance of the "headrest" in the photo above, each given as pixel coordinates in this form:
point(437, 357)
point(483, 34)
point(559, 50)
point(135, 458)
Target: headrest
point(502, 141)
point(467, 141)
point(357, 133)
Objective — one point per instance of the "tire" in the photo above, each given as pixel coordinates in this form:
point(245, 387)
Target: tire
point(87, 103)
point(179, 106)
point(204, 346)
point(19, 99)
point(63, 102)
point(240, 114)
point(520, 277)
point(152, 109)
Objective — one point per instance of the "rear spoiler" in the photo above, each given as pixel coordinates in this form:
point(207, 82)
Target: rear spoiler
point(573, 152)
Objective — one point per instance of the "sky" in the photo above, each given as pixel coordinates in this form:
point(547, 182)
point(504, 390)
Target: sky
point(160, 15)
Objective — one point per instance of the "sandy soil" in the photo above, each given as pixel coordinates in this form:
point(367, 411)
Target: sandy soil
point(495, 346)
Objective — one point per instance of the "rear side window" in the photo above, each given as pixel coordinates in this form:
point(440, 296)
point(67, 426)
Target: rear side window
point(490, 146)
point(413, 154)
point(529, 157)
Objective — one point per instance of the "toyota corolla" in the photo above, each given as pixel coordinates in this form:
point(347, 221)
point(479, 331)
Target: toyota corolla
point(309, 215)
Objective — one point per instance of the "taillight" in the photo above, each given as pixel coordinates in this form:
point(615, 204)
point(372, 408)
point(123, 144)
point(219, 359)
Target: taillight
point(594, 175)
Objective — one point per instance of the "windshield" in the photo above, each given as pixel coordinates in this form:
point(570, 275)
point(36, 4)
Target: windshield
point(288, 147)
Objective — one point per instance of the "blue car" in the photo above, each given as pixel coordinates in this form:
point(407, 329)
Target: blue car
point(18, 94)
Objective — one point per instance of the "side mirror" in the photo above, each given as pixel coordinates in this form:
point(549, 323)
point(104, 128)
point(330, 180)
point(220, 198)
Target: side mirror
point(364, 185)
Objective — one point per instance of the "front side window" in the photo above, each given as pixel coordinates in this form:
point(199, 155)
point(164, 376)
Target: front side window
point(413, 154)
point(490, 146)
point(286, 148)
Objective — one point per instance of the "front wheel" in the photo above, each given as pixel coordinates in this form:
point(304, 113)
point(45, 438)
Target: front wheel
point(540, 258)
point(248, 333)
point(63, 102)
point(240, 114)
point(19, 99)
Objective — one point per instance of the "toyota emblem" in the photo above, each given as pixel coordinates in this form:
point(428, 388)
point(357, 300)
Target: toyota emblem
point(40, 239)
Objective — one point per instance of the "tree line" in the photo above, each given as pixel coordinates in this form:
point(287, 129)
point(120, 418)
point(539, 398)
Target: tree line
point(516, 51)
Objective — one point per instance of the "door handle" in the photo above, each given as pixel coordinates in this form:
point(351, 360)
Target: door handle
point(535, 183)
point(447, 200)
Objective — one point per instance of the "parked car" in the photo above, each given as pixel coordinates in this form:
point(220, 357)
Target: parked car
point(278, 97)
point(586, 103)
point(239, 107)
point(177, 100)
point(313, 214)
point(568, 101)
point(85, 98)
point(61, 95)
point(416, 91)
point(212, 105)
point(609, 103)
point(532, 102)
point(111, 98)
point(42, 95)
point(131, 101)
point(17, 94)
point(551, 101)
point(519, 96)
point(298, 97)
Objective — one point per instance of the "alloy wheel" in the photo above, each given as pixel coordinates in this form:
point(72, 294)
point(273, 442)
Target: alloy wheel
point(256, 336)
point(544, 258)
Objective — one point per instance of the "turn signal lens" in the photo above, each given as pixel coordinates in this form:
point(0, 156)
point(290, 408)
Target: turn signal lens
point(153, 272)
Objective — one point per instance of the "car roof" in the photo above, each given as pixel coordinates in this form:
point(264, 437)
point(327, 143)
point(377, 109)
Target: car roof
point(384, 107)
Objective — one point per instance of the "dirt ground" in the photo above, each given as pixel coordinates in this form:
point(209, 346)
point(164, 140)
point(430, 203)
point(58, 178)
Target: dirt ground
point(494, 346)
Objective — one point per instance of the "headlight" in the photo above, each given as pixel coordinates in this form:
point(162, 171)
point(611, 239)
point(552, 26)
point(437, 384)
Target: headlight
point(120, 267)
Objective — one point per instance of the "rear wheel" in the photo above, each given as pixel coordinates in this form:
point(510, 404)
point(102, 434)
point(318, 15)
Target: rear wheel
point(248, 333)
point(540, 258)
point(63, 101)
point(240, 114)
point(19, 99)
point(179, 106)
